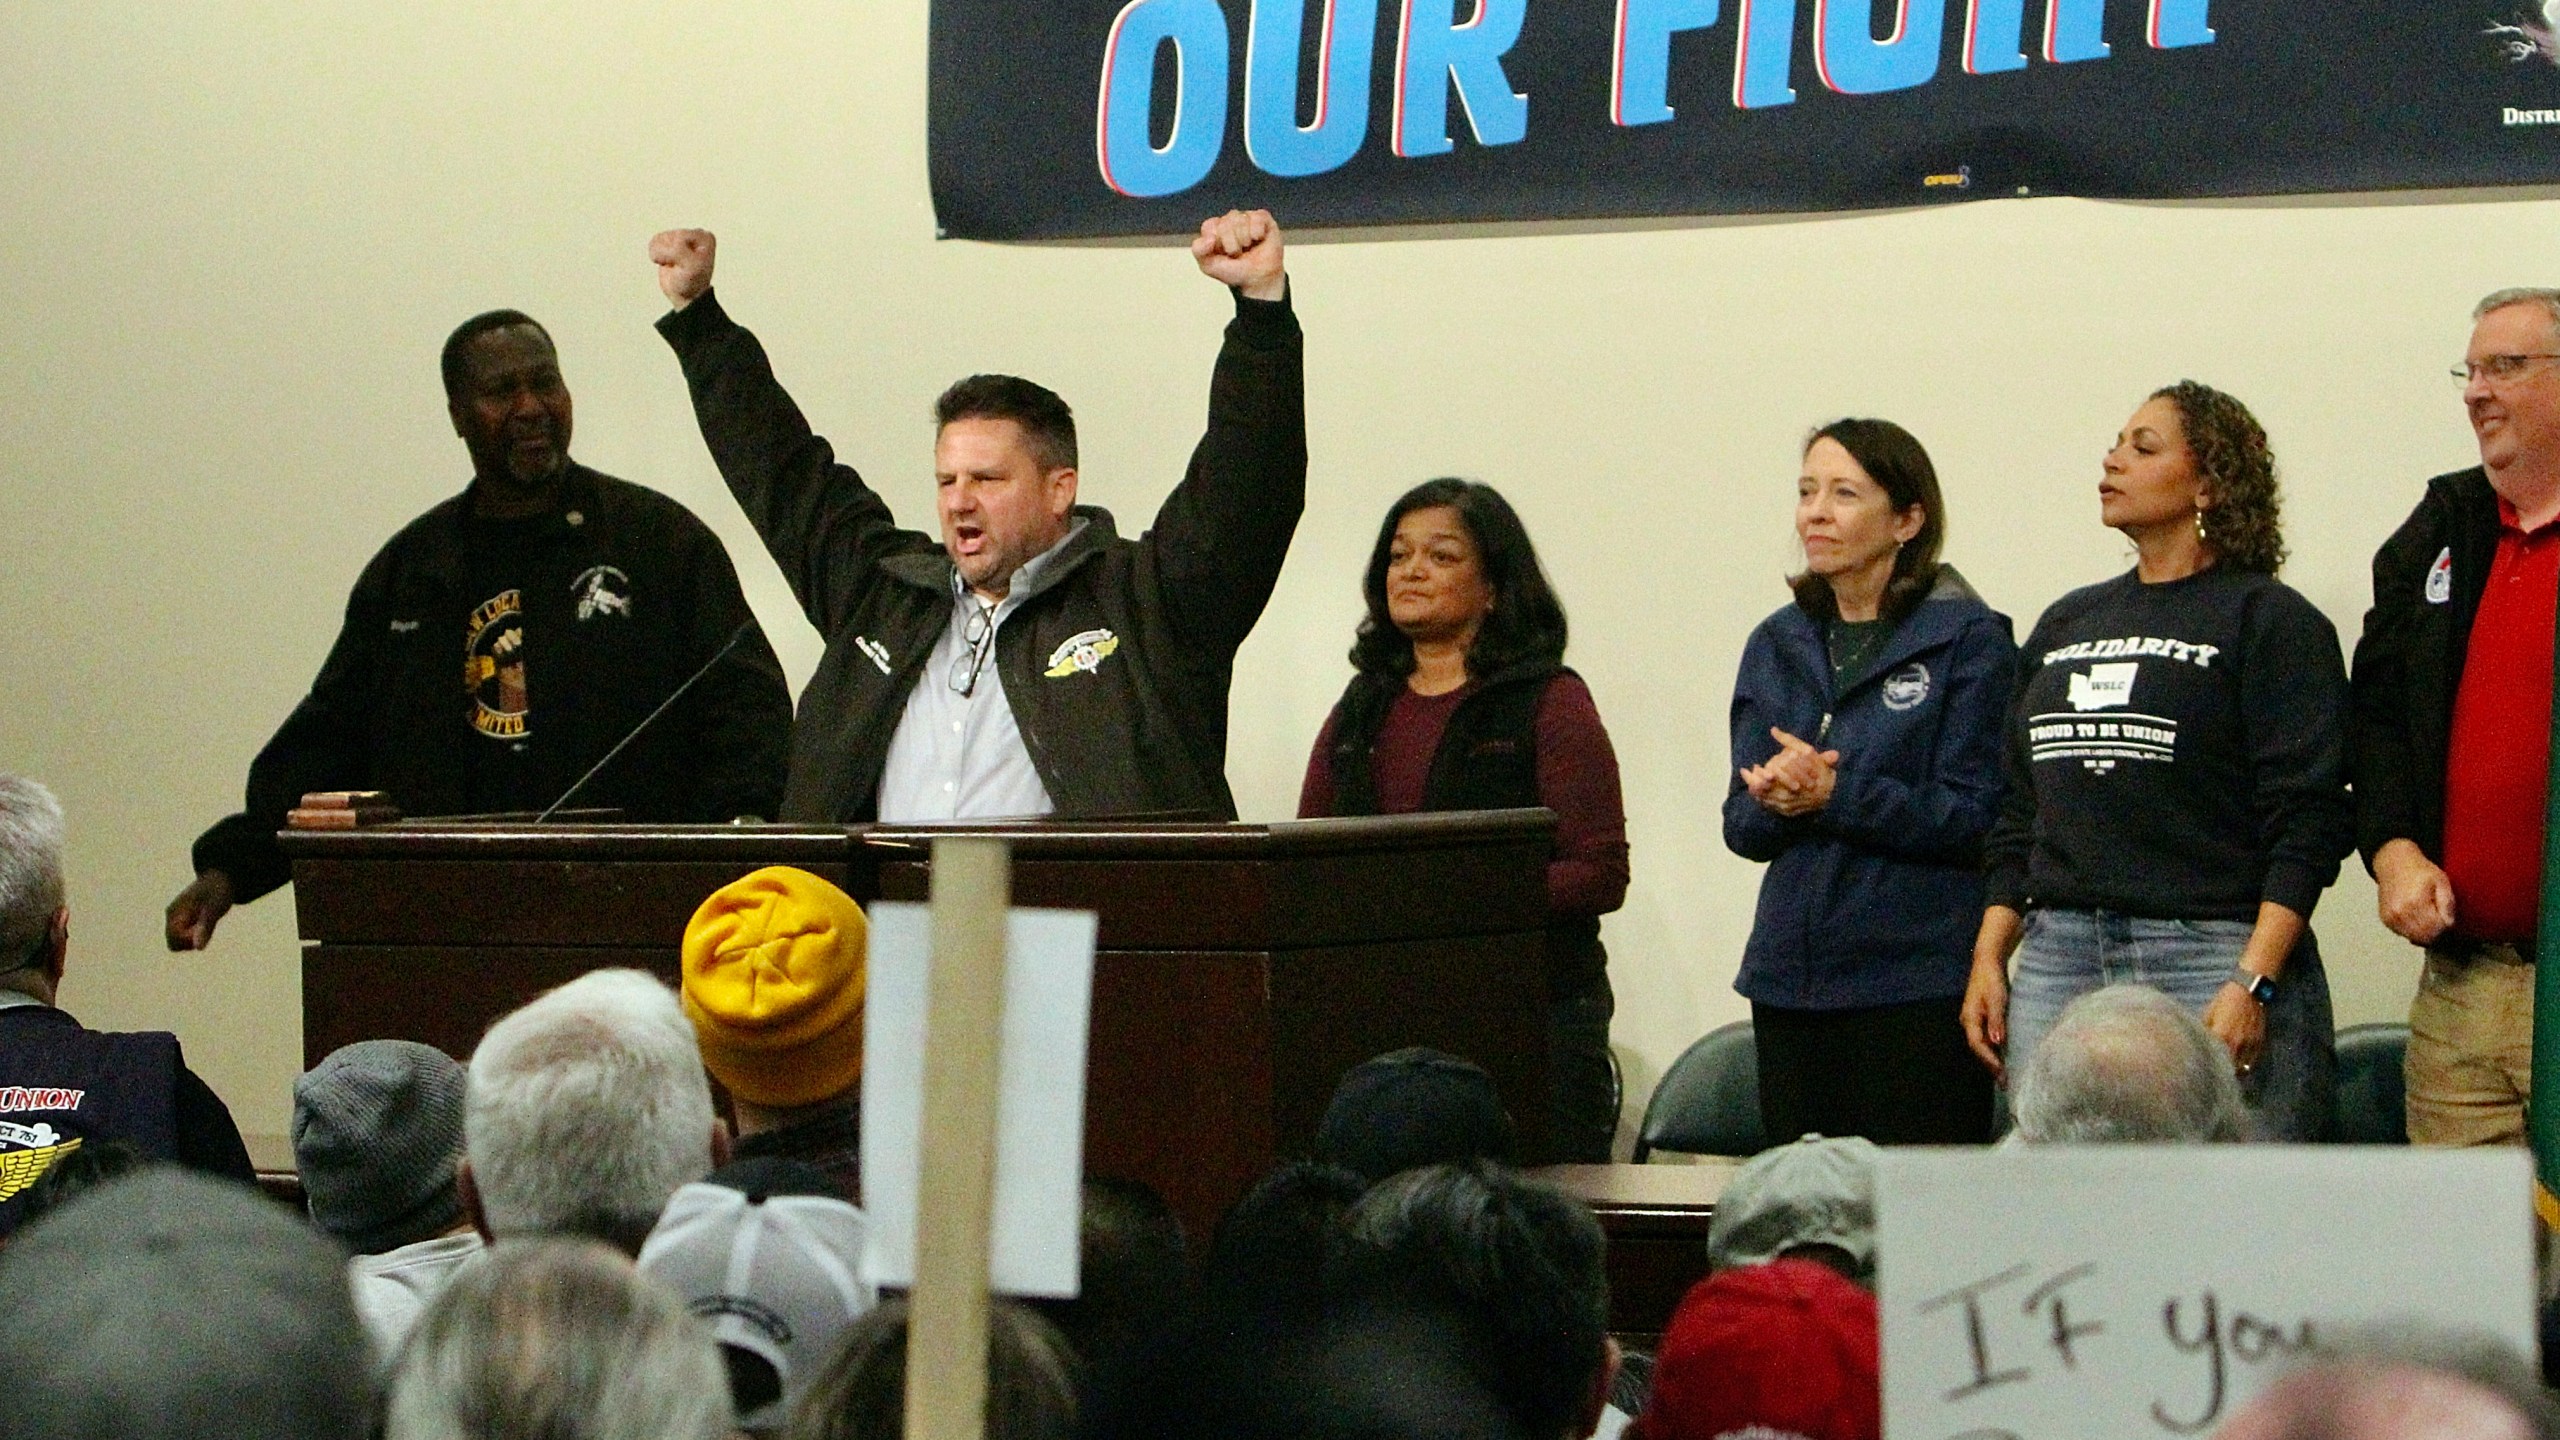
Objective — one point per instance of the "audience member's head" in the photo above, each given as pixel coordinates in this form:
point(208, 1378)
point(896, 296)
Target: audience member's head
point(377, 1135)
point(557, 1339)
point(587, 1108)
point(2402, 1383)
point(34, 917)
point(1382, 1367)
point(1814, 1200)
point(1268, 1256)
point(1785, 1348)
point(1521, 1260)
point(1134, 1277)
point(166, 1303)
point(862, 1392)
point(774, 971)
point(769, 1257)
point(1410, 1108)
point(2127, 1064)
point(1261, 1297)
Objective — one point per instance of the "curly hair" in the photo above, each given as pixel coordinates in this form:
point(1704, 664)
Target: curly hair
point(2244, 525)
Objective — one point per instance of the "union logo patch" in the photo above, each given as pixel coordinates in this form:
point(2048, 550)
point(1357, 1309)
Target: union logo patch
point(602, 590)
point(1905, 688)
point(493, 667)
point(1081, 654)
point(26, 1152)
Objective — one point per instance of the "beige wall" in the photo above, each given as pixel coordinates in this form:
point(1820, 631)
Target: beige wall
point(235, 233)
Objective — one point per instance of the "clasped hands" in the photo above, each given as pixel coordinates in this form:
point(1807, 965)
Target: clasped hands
point(1798, 780)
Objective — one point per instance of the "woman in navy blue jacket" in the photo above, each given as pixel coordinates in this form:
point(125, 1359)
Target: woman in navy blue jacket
point(1867, 727)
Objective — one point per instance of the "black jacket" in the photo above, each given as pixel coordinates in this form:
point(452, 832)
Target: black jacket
point(1117, 671)
point(388, 710)
point(2427, 582)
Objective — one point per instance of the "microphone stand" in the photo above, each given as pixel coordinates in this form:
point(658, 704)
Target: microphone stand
point(722, 654)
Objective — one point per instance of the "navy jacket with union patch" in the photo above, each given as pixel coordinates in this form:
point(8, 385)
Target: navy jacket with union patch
point(1140, 729)
point(63, 1085)
point(1873, 899)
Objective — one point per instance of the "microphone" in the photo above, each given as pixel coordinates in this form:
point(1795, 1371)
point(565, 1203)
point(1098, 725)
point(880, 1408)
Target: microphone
point(735, 636)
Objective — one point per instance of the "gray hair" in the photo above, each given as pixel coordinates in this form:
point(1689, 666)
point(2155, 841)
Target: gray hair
point(587, 1110)
point(2549, 300)
point(30, 868)
point(2324, 1394)
point(555, 1339)
point(2127, 1064)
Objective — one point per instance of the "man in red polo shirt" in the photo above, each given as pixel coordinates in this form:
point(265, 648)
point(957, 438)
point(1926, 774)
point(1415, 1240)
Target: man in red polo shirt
point(2450, 740)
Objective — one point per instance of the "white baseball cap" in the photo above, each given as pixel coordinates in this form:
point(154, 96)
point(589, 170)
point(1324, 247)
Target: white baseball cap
point(776, 1275)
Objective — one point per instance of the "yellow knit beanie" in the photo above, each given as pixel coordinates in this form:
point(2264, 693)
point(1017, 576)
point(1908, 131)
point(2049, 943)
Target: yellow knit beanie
point(773, 981)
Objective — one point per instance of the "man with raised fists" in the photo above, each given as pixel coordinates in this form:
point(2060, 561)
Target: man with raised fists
point(1030, 661)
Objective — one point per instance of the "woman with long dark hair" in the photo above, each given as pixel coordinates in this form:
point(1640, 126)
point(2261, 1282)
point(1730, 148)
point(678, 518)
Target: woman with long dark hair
point(2175, 803)
point(1866, 746)
point(1462, 702)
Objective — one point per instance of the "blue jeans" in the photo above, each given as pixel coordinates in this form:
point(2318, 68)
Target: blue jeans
point(2065, 954)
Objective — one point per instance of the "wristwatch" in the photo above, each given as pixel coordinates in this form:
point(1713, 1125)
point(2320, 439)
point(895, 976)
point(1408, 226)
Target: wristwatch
point(2261, 988)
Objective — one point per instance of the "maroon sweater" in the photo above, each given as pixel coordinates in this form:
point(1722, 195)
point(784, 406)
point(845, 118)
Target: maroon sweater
point(1577, 779)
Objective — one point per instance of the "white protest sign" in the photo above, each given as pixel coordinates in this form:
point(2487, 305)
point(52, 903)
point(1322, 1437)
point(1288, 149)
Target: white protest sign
point(2128, 1291)
point(1048, 1000)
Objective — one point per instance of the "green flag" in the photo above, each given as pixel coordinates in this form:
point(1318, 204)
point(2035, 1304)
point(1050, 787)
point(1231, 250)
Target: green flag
point(2542, 1122)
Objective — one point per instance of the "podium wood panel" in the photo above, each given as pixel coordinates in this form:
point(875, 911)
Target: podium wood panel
point(1482, 998)
point(1241, 968)
point(1188, 1055)
point(440, 995)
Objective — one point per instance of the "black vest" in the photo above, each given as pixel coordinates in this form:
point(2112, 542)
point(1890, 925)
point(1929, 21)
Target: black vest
point(1488, 757)
point(1487, 760)
point(61, 1085)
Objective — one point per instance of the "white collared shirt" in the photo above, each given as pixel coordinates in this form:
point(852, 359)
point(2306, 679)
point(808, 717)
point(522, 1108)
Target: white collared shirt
point(961, 757)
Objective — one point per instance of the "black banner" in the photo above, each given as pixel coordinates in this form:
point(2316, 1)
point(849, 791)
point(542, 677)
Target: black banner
point(1135, 117)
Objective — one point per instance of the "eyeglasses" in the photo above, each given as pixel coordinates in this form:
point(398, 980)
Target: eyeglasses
point(982, 642)
point(2497, 369)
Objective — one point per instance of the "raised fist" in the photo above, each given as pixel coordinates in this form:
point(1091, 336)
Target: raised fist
point(1242, 249)
point(683, 258)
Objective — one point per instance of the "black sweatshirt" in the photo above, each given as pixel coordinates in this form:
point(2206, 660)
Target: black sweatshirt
point(2175, 751)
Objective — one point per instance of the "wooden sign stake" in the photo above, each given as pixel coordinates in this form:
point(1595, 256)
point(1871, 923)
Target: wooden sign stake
point(955, 1187)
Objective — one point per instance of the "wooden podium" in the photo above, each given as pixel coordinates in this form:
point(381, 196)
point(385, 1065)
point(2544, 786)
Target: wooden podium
point(1242, 967)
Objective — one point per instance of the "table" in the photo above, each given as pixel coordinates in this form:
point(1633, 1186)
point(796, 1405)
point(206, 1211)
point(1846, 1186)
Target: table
point(1656, 1218)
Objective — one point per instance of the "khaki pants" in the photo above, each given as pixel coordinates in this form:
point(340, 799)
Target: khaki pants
point(2471, 1046)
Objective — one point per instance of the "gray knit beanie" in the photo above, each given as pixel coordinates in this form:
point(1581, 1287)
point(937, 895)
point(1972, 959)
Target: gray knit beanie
point(377, 1132)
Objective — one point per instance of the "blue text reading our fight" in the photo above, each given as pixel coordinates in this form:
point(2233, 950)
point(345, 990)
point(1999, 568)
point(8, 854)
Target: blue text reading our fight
point(1438, 54)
